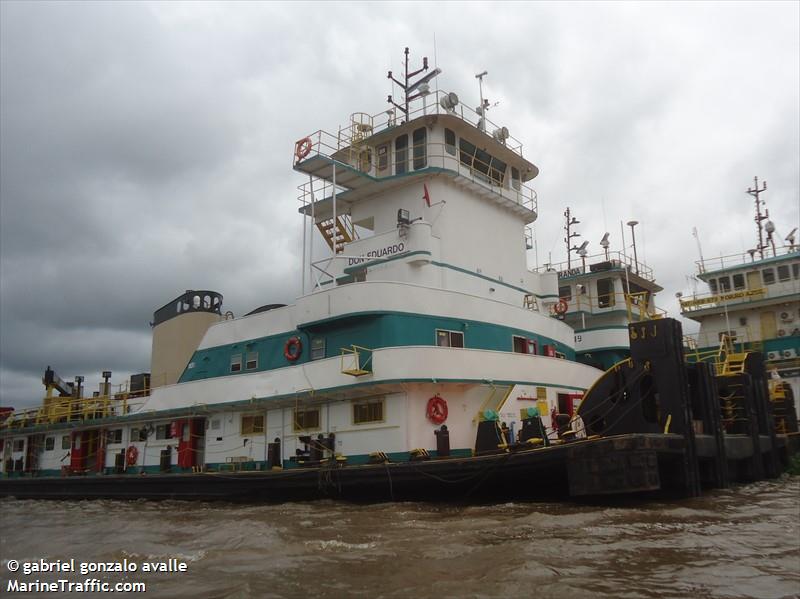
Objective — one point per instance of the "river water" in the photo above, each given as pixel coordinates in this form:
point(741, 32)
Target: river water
point(741, 542)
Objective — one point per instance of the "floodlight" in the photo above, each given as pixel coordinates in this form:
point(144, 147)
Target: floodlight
point(769, 227)
point(500, 134)
point(449, 101)
point(604, 242)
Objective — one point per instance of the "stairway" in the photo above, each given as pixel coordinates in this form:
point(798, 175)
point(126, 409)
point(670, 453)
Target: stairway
point(344, 233)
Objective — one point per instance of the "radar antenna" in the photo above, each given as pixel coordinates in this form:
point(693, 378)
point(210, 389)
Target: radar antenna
point(420, 85)
point(571, 220)
point(755, 191)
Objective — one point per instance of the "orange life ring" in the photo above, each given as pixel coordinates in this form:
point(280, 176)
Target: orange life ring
point(131, 455)
point(293, 348)
point(436, 410)
point(561, 307)
point(303, 148)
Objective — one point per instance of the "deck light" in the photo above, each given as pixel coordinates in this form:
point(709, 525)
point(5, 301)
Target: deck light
point(403, 217)
point(449, 101)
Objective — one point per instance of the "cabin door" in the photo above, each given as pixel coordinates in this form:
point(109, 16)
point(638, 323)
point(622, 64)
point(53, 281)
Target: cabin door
point(754, 280)
point(33, 452)
point(768, 328)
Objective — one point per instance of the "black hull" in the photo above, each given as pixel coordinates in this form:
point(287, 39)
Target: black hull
point(621, 465)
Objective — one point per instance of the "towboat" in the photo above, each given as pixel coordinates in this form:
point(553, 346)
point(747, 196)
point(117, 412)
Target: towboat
point(423, 359)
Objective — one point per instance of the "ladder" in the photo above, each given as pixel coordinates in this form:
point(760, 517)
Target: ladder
point(337, 236)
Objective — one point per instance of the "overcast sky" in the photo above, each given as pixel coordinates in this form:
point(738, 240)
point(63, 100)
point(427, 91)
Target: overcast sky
point(146, 148)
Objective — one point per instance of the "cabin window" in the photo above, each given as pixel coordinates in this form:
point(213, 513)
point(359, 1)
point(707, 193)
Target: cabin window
point(317, 348)
point(449, 338)
point(252, 360)
point(368, 411)
point(768, 275)
point(19, 445)
point(216, 424)
point(796, 271)
point(605, 293)
point(515, 181)
point(138, 434)
point(383, 157)
point(252, 424)
point(420, 150)
point(306, 420)
point(738, 282)
point(565, 292)
point(724, 284)
point(49, 443)
point(114, 436)
point(450, 142)
point(783, 272)
point(236, 362)
point(66, 443)
point(561, 355)
point(401, 155)
point(712, 285)
point(163, 431)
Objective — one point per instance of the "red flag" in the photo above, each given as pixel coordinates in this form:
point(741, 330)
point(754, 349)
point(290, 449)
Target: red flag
point(426, 196)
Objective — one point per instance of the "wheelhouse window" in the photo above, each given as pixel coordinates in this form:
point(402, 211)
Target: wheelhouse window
point(420, 150)
point(450, 142)
point(19, 445)
point(49, 443)
point(401, 155)
point(738, 282)
point(252, 360)
point(114, 436)
point(365, 412)
point(712, 285)
point(66, 442)
point(523, 345)
point(796, 270)
point(306, 420)
point(768, 275)
point(236, 362)
point(724, 284)
point(449, 338)
point(565, 292)
point(481, 163)
point(605, 293)
point(783, 272)
point(164, 431)
point(252, 424)
point(317, 348)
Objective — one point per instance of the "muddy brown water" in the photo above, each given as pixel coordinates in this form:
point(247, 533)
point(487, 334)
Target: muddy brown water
point(740, 542)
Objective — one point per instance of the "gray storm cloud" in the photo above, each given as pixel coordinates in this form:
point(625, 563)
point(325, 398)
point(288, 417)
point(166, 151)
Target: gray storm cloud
point(145, 148)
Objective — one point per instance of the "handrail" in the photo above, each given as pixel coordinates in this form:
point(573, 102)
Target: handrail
point(425, 106)
point(437, 155)
point(617, 259)
point(638, 303)
point(743, 259)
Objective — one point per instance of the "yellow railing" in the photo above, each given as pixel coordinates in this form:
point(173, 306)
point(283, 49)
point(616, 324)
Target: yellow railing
point(356, 360)
point(638, 305)
point(56, 409)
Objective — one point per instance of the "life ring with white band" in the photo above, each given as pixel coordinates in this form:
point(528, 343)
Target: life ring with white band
point(131, 455)
point(293, 348)
point(303, 148)
point(436, 410)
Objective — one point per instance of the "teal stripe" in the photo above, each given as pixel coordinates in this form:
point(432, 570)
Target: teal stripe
point(372, 329)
